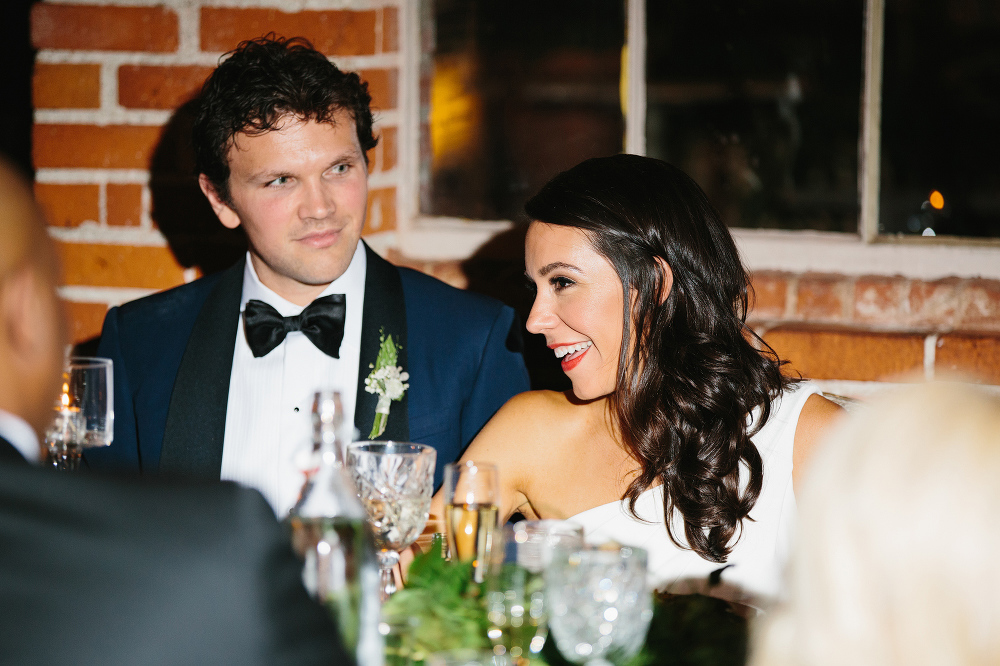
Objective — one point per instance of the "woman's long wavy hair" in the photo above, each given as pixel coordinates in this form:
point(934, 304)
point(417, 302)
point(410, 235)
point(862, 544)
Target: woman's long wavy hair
point(694, 370)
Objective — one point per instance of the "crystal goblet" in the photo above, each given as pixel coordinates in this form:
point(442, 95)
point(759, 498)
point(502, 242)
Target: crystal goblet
point(395, 482)
point(598, 603)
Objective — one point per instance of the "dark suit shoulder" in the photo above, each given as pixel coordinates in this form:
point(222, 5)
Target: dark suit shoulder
point(439, 297)
point(170, 303)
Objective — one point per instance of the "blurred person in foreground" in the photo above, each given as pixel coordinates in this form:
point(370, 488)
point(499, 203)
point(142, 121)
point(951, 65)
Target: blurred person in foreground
point(895, 561)
point(95, 570)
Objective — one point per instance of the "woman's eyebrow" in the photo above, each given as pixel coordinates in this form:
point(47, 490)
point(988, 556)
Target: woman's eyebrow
point(548, 268)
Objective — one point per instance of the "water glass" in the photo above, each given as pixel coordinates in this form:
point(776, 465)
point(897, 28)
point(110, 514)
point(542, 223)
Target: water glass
point(598, 603)
point(535, 541)
point(85, 412)
point(515, 598)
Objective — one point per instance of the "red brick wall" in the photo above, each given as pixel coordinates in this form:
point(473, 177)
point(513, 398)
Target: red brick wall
point(868, 328)
point(107, 137)
point(115, 181)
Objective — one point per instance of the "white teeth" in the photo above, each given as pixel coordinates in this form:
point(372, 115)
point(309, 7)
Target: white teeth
point(563, 351)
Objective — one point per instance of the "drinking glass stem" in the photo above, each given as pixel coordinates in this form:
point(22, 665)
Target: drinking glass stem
point(387, 559)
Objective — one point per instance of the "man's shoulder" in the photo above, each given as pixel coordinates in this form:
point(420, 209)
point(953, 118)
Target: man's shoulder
point(434, 295)
point(171, 302)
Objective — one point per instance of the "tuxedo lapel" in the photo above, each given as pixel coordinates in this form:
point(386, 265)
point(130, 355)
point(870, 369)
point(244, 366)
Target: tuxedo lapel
point(196, 421)
point(385, 310)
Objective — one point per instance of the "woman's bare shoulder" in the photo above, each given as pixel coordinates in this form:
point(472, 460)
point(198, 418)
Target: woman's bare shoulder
point(531, 419)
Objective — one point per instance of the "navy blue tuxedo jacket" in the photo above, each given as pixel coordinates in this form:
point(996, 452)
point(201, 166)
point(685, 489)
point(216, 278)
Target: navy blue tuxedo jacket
point(173, 356)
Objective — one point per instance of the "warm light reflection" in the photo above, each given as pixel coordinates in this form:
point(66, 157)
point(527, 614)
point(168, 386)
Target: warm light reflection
point(64, 398)
point(936, 200)
point(456, 110)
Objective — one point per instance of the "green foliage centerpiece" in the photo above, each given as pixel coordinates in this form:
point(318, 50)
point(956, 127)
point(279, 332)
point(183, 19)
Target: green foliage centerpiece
point(442, 608)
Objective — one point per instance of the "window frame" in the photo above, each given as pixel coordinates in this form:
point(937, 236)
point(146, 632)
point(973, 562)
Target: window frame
point(426, 237)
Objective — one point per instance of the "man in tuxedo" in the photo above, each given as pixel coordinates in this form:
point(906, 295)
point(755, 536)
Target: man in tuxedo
point(98, 570)
point(216, 378)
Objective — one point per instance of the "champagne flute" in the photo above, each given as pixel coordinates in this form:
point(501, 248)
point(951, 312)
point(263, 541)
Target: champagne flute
point(598, 602)
point(395, 481)
point(471, 491)
point(84, 412)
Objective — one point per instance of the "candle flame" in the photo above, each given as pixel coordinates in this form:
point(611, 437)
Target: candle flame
point(65, 395)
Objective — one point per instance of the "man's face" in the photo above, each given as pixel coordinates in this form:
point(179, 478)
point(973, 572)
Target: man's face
point(300, 192)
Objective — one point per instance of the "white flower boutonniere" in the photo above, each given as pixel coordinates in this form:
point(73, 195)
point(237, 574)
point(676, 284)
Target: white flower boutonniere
point(387, 380)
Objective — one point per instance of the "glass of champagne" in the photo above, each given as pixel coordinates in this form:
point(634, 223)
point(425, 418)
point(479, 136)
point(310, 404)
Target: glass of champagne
point(395, 481)
point(598, 603)
point(471, 493)
point(85, 412)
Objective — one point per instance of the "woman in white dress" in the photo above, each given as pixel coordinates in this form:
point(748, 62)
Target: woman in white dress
point(677, 407)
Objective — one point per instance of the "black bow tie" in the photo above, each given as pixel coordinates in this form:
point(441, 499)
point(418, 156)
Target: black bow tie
point(322, 322)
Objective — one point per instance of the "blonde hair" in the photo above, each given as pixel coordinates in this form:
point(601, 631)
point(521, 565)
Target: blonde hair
point(896, 556)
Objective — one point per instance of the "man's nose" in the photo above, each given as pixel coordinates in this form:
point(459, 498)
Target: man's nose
point(317, 202)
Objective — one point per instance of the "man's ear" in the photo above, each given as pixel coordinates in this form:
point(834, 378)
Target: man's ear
point(226, 215)
point(668, 279)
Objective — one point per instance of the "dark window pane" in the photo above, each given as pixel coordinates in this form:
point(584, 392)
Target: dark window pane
point(940, 109)
point(520, 90)
point(759, 101)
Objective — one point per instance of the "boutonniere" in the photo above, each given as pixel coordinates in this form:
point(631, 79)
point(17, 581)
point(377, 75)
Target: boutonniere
point(386, 380)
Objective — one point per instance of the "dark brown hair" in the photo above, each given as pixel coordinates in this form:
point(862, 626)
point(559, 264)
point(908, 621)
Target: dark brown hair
point(261, 82)
point(696, 370)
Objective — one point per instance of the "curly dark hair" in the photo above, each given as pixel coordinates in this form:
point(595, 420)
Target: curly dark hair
point(695, 370)
point(259, 83)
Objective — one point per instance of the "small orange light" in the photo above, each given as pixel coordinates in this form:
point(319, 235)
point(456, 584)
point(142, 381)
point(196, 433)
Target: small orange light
point(936, 200)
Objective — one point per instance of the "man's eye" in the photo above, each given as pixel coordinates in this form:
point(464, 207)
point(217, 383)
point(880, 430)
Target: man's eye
point(280, 180)
point(340, 168)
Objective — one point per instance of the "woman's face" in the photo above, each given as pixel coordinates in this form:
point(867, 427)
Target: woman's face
point(578, 306)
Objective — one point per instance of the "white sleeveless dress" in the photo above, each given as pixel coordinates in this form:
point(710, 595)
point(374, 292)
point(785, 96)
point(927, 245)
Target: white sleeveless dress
point(758, 558)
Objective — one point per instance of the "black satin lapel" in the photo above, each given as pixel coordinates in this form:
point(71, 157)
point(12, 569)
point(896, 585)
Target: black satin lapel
point(385, 309)
point(196, 420)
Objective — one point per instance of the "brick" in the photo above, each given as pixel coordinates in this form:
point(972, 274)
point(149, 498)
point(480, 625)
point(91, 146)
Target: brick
point(383, 86)
point(980, 305)
point(66, 86)
point(103, 28)
point(381, 210)
point(119, 266)
point(68, 205)
point(124, 205)
point(770, 295)
point(935, 304)
point(156, 87)
point(390, 29)
point(881, 300)
point(85, 320)
point(973, 357)
point(840, 354)
point(383, 157)
point(821, 298)
point(90, 146)
point(333, 32)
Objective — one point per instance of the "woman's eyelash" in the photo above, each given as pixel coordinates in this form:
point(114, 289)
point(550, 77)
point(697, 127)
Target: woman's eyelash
point(560, 282)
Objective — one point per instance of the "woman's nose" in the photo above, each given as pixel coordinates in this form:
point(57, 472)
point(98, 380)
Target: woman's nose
point(540, 318)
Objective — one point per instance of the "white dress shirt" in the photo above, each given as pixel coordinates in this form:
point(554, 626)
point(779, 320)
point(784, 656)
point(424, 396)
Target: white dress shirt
point(269, 415)
point(17, 431)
